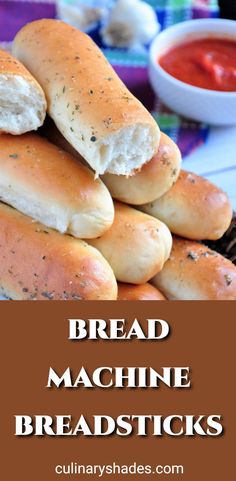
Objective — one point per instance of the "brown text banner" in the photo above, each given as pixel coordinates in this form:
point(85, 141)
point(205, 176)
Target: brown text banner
point(34, 337)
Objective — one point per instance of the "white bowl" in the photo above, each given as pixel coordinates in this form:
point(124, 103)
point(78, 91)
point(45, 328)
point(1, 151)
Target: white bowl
point(210, 106)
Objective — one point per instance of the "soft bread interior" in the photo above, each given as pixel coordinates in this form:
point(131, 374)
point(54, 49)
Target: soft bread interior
point(22, 106)
point(119, 153)
point(126, 150)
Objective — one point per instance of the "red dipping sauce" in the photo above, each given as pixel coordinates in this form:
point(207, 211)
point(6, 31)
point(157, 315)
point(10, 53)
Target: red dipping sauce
point(208, 63)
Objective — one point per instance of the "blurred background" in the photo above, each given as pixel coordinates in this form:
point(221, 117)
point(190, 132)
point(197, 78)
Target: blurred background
point(124, 30)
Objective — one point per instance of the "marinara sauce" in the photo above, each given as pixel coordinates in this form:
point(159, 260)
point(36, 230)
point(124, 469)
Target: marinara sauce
point(209, 63)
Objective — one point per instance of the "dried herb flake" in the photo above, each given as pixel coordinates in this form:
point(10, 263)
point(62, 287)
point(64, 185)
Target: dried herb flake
point(228, 279)
point(191, 255)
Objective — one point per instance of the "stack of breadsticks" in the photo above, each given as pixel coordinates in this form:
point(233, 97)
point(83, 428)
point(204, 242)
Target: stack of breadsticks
point(96, 202)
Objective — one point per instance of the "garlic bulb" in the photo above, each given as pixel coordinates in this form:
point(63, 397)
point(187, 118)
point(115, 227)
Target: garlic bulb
point(131, 23)
point(78, 14)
